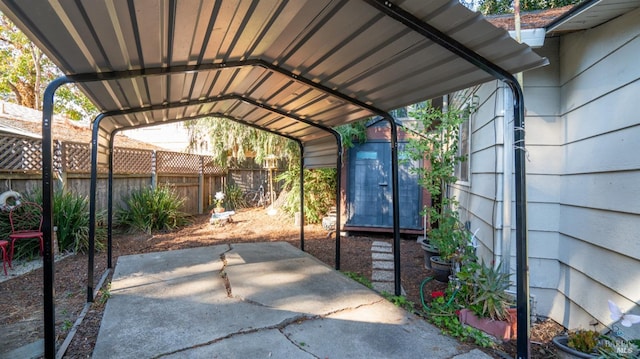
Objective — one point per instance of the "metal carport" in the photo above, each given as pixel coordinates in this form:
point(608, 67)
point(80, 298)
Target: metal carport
point(296, 68)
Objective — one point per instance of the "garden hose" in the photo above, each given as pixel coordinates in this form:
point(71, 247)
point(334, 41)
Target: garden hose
point(427, 280)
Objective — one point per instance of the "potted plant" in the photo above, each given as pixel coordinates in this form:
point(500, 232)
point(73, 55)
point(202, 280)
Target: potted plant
point(490, 307)
point(577, 344)
point(450, 237)
point(436, 143)
point(593, 344)
point(219, 201)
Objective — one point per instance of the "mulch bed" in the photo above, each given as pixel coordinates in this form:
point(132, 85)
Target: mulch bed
point(21, 315)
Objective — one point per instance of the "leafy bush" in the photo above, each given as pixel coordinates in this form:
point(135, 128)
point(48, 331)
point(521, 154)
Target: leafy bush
point(235, 197)
point(443, 314)
point(151, 209)
point(319, 192)
point(71, 217)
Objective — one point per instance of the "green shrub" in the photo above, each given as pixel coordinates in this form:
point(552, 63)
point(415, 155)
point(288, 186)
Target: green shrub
point(319, 192)
point(150, 209)
point(234, 197)
point(71, 217)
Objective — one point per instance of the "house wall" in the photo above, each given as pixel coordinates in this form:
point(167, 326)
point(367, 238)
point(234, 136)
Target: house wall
point(599, 250)
point(583, 173)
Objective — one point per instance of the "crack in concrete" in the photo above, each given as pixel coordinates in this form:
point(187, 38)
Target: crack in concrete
point(223, 273)
point(279, 326)
point(297, 319)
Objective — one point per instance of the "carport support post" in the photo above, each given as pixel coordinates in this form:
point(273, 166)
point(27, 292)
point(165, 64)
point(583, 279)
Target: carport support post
point(396, 205)
point(110, 206)
point(522, 243)
point(92, 205)
point(47, 218)
point(338, 196)
point(301, 196)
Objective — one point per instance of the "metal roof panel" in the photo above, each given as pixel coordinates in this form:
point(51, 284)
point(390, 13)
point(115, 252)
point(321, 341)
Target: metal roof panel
point(319, 62)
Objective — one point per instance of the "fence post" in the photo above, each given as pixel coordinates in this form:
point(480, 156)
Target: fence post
point(200, 186)
point(60, 164)
point(154, 170)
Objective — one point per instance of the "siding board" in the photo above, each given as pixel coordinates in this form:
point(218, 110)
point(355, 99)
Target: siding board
point(604, 268)
point(605, 229)
point(610, 113)
point(615, 191)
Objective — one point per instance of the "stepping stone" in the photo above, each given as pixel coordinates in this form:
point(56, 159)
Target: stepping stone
point(382, 265)
point(381, 249)
point(382, 276)
point(381, 256)
point(381, 244)
point(388, 287)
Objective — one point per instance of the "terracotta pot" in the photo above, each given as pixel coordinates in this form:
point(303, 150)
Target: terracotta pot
point(218, 210)
point(501, 329)
point(566, 352)
point(513, 322)
point(441, 269)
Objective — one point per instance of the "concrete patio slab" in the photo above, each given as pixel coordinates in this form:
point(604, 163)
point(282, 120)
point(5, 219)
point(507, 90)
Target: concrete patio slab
point(262, 300)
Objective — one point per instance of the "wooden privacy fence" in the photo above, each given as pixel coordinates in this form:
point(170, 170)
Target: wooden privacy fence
point(194, 177)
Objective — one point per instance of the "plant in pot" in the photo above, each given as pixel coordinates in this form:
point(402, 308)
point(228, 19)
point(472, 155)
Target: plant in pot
point(593, 344)
point(219, 201)
point(489, 306)
point(436, 143)
point(450, 237)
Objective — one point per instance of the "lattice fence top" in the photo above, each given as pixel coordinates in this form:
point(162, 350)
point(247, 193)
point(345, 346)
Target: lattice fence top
point(23, 154)
point(174, 162)
point(129, 160)
point(209, 167)
point(76, 157)
point(20, 154)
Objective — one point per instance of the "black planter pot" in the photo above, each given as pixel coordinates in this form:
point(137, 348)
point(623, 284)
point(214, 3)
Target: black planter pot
point(429, 251)
point(441, 269)
point(566, 352)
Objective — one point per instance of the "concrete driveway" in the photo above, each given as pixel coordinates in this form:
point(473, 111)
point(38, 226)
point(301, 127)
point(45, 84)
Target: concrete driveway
point(255, 300)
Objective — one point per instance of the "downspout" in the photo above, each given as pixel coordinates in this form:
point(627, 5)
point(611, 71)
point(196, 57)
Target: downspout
point(507, 171)
point(47, 218)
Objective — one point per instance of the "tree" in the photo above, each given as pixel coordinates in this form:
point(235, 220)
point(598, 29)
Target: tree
point(227, 140)
point(25, 71)
point(495, 7)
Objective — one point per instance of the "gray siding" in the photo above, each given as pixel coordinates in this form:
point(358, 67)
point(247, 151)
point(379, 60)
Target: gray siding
point(599, 243)
point(583, 173)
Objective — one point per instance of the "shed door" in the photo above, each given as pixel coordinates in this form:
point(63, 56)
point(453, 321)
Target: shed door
point(370, 192)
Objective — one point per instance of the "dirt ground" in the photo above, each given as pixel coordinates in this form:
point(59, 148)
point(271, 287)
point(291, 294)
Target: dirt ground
point(21, 314)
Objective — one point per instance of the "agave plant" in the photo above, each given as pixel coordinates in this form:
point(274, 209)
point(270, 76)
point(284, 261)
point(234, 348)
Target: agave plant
point(489, 292)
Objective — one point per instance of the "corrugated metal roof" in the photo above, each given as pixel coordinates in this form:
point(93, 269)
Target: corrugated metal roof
point(286, 66)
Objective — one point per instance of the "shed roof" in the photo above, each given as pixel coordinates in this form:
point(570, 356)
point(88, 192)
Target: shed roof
point(295, 68)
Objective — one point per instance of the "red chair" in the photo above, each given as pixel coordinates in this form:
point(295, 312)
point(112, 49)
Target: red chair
point(5, 259)
point(26, 223)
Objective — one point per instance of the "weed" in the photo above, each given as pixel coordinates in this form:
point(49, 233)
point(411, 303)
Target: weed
point(104, 294)
point(400, 301)
point(359, 278)
point(66, 325)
